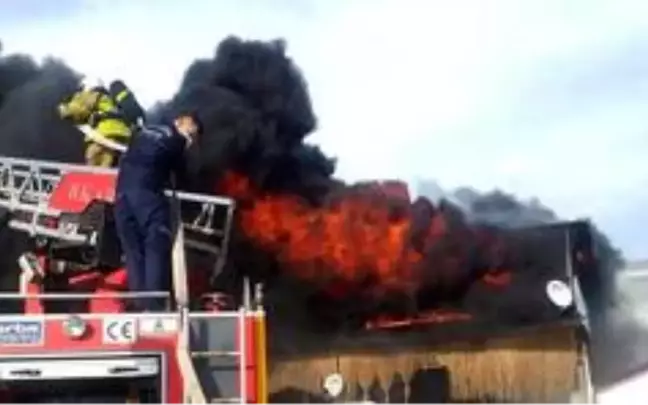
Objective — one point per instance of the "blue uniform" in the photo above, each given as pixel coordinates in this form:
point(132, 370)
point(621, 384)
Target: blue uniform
point(142, 212)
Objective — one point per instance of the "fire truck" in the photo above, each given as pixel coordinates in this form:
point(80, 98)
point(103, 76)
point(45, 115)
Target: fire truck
point(71, 338)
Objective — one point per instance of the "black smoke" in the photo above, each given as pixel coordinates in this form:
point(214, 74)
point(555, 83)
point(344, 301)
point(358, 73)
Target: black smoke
point(30, 128)
point(254, 104)
point(504, 209)
point(615, 338)
point(29, 125)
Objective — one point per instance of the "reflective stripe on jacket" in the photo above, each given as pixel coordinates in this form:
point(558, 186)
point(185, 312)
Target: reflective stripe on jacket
point(96, 108)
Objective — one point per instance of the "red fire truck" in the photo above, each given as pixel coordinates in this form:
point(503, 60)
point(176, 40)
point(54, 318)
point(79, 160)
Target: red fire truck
point(70, 337)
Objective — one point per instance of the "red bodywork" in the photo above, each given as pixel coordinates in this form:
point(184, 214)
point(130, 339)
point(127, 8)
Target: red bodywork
point(57, 342)
point(73, 194)
point(75, 191)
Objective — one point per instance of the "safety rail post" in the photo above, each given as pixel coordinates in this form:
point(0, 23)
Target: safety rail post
point(260, 343)
point(192, 390)
point(224, 251)
point(31, 304)
point(253, 341)
point(242, 349)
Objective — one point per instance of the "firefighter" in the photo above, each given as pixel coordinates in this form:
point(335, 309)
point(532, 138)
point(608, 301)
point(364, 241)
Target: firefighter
point(127, 103)
point(94, 111)
point(142, 210)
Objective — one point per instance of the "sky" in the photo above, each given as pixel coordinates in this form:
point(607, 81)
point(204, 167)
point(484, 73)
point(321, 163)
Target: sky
point(542, 98)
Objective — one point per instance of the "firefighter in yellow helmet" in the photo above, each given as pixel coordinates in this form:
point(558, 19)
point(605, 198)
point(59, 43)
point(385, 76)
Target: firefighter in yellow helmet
point(96, 113)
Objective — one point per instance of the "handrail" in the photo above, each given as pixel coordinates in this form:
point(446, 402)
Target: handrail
point(65, 296)
point(242, 342)
point(61, 167)
point(192, 390)
point(26, 186)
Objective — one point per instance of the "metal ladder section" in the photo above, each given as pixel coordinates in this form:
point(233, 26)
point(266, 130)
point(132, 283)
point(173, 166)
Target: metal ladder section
point(220, 372)
point(27, 185)
point(193, 386)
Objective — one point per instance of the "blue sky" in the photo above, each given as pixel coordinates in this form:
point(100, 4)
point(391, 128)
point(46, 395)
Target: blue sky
point(543, 98)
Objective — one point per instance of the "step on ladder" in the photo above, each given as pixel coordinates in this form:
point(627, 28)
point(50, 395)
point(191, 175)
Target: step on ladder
point(216, 368)
point(27, 186)
point(193, 388)
point(191, 385)
point(239, 356)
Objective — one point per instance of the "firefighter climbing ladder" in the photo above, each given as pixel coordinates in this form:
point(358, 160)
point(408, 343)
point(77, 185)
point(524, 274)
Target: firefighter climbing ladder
point(26, 187)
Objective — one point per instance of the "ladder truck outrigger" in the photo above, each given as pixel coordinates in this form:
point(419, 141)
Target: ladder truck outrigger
point(74, 340)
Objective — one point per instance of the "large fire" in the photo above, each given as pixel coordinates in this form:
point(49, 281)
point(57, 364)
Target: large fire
point(367, 240)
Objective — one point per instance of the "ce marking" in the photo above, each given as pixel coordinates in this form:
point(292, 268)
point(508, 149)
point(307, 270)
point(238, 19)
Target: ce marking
point(119, 331)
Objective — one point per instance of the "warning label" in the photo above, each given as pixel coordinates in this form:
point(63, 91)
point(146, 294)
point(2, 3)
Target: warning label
point(158, 325)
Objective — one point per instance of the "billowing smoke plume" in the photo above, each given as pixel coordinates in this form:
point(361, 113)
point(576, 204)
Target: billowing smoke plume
point(255, 107)
point(257, 112)
point(362, 241)
point(503, 209)
point(30, 128)
point(616, 339)
point(29, 93)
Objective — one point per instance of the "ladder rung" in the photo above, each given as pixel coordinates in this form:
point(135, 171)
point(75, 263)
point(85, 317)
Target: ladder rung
point(34, 208)
point(216, 353)
point(225, 400)
point(206, 247)
point(77, 237)
point(46, 231)
point(203, 229)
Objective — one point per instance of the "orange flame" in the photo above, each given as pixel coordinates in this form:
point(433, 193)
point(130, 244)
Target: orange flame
point(357, 240)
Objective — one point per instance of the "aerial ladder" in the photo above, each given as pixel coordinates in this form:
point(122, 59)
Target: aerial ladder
point(192, 353)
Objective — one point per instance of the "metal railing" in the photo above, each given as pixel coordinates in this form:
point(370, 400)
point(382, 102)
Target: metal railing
point(27, 185)
point(72, 299)
point(81, 295)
